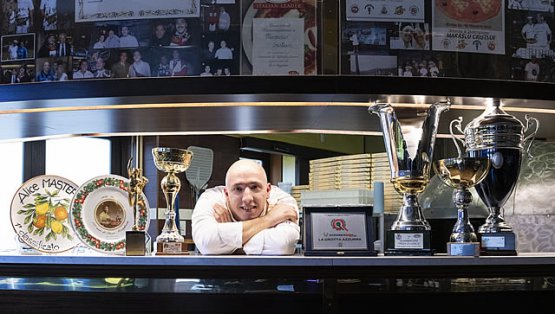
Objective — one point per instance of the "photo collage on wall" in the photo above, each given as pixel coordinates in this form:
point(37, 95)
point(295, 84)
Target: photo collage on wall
point(55, 40)
point(499, 39)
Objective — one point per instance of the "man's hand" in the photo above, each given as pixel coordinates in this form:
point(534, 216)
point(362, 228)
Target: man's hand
point(221, 214)
point(280, 213)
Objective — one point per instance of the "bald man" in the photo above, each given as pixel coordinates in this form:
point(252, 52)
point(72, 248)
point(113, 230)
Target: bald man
point(248, 215)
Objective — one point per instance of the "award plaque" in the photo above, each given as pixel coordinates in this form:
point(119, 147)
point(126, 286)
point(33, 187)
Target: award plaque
point(409, 145)
point(338, 231)
point(500, 137)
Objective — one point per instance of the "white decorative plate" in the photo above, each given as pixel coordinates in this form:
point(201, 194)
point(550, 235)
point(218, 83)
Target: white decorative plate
point(39, 213)
point(101, 214)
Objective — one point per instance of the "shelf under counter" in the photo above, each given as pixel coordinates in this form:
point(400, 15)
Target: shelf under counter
point(294, 266)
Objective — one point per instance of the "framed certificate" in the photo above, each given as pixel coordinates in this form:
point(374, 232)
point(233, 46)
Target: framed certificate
point(338, 231)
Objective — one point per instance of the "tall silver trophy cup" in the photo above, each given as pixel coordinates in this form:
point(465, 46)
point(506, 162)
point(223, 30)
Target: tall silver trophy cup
point(409, 148)
point(501, 138)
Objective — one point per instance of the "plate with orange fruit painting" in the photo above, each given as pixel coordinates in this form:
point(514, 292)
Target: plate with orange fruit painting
point(40, 213)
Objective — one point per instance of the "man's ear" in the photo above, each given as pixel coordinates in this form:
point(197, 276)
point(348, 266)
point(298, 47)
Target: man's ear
point(268, 187)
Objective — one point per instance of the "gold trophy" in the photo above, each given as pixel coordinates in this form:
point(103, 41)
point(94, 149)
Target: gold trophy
point(135, 239)
point(171, 161)
point(462, 173)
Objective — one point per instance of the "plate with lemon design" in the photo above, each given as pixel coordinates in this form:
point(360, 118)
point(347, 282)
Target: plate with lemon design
point(39, 213)
point(101, 214)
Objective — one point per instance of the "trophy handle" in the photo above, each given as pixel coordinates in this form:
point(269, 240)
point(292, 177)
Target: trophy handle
point(457, 124)
point(529, 122)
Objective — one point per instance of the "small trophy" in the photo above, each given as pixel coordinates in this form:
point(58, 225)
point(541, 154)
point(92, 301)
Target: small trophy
point(171, 161)
point(409, 146)
point(462, 173)
point(135, 239)
point(500, 137)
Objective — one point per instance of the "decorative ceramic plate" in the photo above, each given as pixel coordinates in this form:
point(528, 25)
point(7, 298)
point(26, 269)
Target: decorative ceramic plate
point(39, 213)
point(101, 214)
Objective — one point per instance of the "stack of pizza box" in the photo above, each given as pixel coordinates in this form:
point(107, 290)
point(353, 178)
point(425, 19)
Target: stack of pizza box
point(296, 193)
point(355, 172)
point(381, 172)
point(341, 173)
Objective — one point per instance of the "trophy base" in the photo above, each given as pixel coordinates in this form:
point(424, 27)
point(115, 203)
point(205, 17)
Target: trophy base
point(135, 243)
point(463, 248)
point(408, 243)
point(171, 248)
point(498, 244)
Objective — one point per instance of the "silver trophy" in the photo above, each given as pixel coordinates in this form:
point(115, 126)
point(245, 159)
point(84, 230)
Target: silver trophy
point(500, 137)
point(462, 173)
point(409, 148)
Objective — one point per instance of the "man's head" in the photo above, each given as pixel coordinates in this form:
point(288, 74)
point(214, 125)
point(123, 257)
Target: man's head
point(83, 65)
point(137, 56)
point(123, 56)
point(246, 189)
point(181, 25)
point(124, 31)
point(159, 31)
point(100, 63)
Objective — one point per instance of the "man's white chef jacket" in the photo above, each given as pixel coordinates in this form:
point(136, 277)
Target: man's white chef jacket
point(211, 237)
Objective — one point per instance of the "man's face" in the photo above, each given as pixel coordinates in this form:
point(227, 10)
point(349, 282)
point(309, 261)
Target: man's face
point(246, 194)
point(123, 57)
point(136, 56)
point(46, 66)
point(124, 31)
point(159, 31)
point(62, 37)
point(84, 66)
point(180, 25)
point(99, 64)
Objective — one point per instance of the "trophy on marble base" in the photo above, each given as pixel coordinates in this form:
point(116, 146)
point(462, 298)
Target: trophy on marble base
point(462, 173)
point(500, 137)
point(409, 146)
point(171, 161)
point(135, 239)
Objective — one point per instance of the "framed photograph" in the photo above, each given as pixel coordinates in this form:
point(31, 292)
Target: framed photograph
point(18, 47)
point(373, 64)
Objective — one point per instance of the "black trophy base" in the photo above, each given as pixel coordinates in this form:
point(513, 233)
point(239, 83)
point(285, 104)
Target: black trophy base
point(135, 243)
point(498, 244)
point(408, 243)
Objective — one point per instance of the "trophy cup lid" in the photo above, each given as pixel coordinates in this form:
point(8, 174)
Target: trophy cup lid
point(494, 128)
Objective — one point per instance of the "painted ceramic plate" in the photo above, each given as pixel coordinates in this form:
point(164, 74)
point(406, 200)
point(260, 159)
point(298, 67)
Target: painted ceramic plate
point(39, 213)
point(101, 214)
